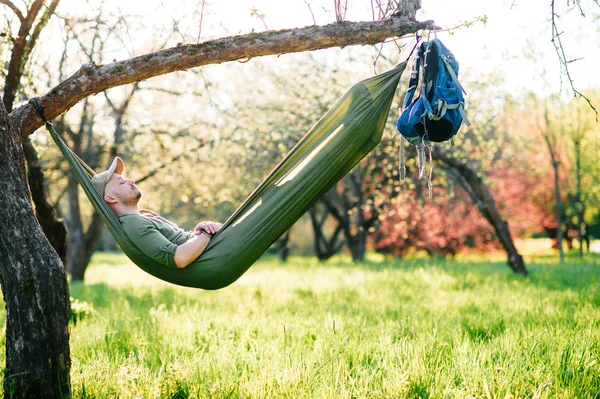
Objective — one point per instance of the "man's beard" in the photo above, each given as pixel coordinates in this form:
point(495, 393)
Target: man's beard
point(132, 199)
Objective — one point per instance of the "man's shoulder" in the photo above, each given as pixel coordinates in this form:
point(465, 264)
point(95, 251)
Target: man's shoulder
point(134, 220)
point(144, 215)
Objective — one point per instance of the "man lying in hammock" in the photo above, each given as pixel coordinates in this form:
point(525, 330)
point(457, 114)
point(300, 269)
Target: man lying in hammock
point(154, 235)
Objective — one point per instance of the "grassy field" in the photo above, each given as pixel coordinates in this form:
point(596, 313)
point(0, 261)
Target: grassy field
point(385, 329)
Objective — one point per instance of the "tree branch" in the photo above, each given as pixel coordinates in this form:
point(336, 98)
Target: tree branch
point(42, 23)
point(19, 55)
point(562, 57)
point(91, 78)
point(14, 8)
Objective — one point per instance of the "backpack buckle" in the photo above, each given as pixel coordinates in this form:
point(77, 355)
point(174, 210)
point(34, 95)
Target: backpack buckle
point(439, 109)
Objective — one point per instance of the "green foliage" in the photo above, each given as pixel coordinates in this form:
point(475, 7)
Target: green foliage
point(405, 329)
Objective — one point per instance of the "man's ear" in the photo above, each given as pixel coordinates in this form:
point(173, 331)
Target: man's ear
point(110, 199)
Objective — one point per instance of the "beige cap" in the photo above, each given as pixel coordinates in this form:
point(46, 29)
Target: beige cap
point(101, 179)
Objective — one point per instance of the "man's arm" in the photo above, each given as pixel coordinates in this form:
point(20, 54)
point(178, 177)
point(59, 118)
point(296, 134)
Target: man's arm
point(187, 252)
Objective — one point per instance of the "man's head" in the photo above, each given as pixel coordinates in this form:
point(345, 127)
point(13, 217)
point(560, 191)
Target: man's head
point(117, 190)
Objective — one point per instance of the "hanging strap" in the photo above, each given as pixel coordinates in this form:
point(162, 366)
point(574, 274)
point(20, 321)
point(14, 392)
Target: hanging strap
point(412, 87)
point(402, 160)
point(429, 183)
point(421, 153)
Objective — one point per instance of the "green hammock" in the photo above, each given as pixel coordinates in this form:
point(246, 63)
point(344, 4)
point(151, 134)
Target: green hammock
point(332, 147)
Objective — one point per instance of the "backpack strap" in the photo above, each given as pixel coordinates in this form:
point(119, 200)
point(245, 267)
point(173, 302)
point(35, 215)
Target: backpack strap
point(426, 48)
point(402, 171)
point(444, 58)
point(460, 106)
point(414, 78)
point(429, 182)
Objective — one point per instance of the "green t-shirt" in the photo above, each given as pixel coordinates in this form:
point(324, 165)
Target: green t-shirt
point(154, 235)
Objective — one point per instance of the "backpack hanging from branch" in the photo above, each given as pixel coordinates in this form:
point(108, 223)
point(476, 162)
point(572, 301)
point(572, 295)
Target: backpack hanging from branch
point(436, 114)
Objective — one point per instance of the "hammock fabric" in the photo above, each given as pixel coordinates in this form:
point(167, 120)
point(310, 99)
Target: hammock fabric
point(330, 149)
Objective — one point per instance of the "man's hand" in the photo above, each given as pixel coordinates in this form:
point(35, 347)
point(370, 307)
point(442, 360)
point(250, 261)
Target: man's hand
point(207, 227)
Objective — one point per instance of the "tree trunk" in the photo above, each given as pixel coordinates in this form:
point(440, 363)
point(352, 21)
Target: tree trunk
point(358, 245)
point(578, 202)
point(51, 224)
point(283, 246)
point(350, 217)
point(479, 193)
point(34, 286)
point(325, 247)
point(550, 139)
point(557, 211)
point(74, 225)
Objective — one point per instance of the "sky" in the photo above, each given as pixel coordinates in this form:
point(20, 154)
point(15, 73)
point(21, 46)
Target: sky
point(517, 40)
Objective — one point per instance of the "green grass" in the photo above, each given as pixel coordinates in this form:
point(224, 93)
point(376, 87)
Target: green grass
point(385, 329)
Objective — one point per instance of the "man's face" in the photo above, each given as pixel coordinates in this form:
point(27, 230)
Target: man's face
point(121, 190)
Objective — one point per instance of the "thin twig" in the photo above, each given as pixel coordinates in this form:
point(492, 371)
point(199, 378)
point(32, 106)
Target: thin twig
point(562, 57)
point(580, 9)
point(482, 19)
point(201, 16)
point(311, 11)
point(376, 58)
point(14, 8)
point(170, 162)
point(42, 23)
point(254, 13)
point(372, 10)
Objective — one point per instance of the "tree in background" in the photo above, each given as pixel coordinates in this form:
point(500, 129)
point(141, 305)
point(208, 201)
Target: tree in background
point(357, 202)
point(479, 153)
point(583, 140)
point(550, 133)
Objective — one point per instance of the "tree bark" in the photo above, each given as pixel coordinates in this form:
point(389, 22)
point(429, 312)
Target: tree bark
point(91, 79)
point(34, 286)
point(481, 196)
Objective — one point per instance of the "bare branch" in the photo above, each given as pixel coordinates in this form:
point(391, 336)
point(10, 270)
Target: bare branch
point(340, 11)
point(562, 57)
point(255, 13)
point(170, 162)
point(42, 23)
point(14, 8)
point(19, 55)
point(91, 78)
point(200, 24)
point(311, 12)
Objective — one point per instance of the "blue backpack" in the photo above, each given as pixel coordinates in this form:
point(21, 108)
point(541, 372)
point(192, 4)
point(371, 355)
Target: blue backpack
point(436, 114)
